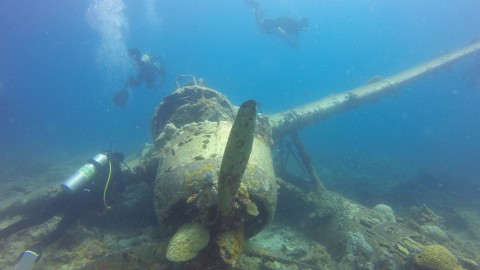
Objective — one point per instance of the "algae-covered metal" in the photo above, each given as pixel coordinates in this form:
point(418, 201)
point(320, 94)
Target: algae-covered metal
point(236, 155)
point(191, 128)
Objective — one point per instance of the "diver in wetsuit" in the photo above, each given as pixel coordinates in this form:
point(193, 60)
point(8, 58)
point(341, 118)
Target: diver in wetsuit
point(286, 28)
point(83, 192)
point(150, 68)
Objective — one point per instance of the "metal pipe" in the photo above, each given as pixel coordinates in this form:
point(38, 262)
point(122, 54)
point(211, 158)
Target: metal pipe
point(286, 122)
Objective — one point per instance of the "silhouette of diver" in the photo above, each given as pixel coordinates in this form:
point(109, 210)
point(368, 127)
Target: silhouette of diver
point(149, 69)
point(285, 28)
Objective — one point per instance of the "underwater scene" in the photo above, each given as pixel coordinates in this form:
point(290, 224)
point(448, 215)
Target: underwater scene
point(245, 134)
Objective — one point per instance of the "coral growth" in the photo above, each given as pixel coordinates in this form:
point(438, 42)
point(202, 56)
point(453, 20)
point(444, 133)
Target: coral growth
point(357, 245)
point(435, 233)
point(421, 216)
point(424, 215)
point(384, 213)
point(187, 242)
point(435, 257)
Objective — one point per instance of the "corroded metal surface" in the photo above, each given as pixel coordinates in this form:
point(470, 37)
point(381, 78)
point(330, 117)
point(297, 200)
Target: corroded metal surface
point(191, 104)
point(190, 151)
point(236, 155)
point(300, 117)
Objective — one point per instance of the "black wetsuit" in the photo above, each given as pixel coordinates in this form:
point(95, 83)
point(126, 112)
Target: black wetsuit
point(148, 73)
point(70, 206)
point(286, 28)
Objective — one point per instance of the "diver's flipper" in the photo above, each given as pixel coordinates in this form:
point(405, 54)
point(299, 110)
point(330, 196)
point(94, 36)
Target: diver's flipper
point(27, 260)
point(121, 98)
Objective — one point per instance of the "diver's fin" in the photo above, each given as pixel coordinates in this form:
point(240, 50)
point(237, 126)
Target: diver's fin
point(121, 98)
point(27, 260)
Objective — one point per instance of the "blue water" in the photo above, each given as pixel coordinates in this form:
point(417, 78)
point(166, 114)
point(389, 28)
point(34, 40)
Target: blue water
point(62, 61)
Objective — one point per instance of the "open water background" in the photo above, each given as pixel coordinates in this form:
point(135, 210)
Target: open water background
point(62, 61)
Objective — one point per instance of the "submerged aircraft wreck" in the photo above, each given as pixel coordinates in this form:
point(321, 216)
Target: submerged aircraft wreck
point(215, 185)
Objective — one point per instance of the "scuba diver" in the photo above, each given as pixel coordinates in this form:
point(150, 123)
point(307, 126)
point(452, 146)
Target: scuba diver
point(286, 28)
point(82, 192)
point(149, 68)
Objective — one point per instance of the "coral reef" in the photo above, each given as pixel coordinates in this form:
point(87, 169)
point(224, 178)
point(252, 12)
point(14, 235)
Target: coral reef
point(424, 215)
point(252, 209)
point(187, 242)
point(284, 247)
point(435, 233)
point(435, 257)
point(384, 213)
point(471, 220)
point(357, 245)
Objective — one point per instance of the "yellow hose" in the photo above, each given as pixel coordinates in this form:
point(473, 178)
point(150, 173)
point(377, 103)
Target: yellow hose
point(106, 185)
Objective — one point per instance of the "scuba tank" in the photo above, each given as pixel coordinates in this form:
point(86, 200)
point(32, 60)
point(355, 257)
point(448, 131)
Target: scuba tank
point(85, 173)
point(71, 185)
